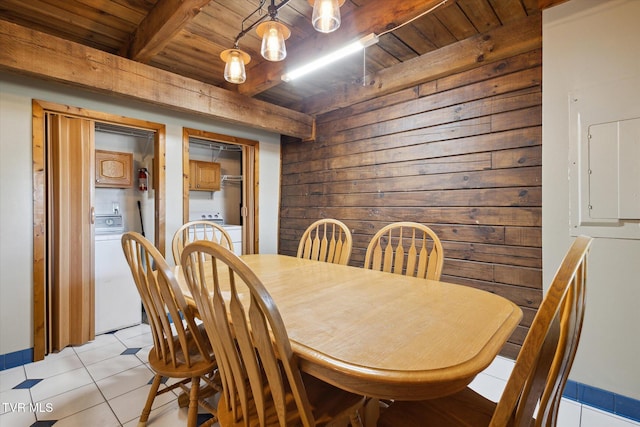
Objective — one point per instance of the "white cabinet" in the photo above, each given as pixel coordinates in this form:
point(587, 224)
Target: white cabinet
point(117, 301)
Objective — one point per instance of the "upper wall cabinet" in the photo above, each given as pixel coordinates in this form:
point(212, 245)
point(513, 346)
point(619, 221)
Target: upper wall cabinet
point(114, 169)
point(204, 176)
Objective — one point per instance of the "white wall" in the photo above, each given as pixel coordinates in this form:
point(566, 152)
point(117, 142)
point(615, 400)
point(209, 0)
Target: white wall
point(16, 216)
point(227, 200)
point(127, 198)
point(16, 224)
point(588, 43)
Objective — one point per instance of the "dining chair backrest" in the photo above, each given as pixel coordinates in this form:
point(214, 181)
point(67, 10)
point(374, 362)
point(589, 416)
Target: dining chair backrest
point(248, 335)
point(408, 248)
point(327, 240)
point(164, 304)
point(545, 359)
point(199, 230)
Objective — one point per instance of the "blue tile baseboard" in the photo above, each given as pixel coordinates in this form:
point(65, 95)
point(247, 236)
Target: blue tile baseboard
point(602, 399)
point(17, 358)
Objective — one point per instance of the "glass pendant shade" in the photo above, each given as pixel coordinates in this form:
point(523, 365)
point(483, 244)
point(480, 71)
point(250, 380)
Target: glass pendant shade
point(326, 15)
point(234, 71)
point(273, 35)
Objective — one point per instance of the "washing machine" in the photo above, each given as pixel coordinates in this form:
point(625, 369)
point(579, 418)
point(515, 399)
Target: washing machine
point(117, 301)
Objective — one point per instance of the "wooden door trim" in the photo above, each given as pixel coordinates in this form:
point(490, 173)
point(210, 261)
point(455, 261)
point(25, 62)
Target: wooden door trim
point(39, 148)
point(226, 139)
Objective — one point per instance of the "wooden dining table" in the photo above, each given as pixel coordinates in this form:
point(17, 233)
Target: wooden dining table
point(384, 335)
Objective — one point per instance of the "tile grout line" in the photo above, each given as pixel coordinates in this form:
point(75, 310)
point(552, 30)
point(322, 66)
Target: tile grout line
point(98, 387)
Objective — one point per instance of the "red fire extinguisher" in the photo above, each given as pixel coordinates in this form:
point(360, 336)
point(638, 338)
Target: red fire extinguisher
point(142, 179)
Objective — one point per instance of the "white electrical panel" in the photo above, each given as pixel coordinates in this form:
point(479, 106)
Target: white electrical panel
point(604, 157)
point(614, 170)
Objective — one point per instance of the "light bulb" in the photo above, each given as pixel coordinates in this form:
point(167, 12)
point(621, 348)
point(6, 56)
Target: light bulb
point(273, 35)
point(234, 71)
point(326, 15)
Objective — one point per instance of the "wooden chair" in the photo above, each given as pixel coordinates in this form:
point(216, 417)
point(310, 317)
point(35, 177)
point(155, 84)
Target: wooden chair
point(403, 248)
point(199, 230)
point(327, 240)
point(539, 374)
point(180, 348)
point(261, 378)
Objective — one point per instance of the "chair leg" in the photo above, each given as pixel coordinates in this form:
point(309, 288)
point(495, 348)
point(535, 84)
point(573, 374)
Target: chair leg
point(355, 420)
point(192, 417)
point(150, 398)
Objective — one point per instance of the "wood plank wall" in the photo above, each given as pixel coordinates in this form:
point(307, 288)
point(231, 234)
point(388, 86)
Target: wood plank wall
point(461, 154)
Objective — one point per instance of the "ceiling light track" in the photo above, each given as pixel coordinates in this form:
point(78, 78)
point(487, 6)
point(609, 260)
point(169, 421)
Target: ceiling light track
point(272, 12)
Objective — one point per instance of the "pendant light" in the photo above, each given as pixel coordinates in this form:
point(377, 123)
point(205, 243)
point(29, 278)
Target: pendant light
point(235, 59)
point(326, 15)
point(273, 34)
point(326, 18)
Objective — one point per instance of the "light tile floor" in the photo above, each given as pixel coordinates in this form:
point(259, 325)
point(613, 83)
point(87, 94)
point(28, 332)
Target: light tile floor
point(105, 383)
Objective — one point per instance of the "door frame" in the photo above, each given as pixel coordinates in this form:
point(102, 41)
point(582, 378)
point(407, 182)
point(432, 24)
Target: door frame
point(40, 203)
point(250, 146)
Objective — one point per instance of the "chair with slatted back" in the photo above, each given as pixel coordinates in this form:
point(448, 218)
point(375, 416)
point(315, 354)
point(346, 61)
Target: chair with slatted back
point(261, 377)
point(406, 248)
point(181, 349)
point(327, 240)
point(199, 230)
point(539, 374)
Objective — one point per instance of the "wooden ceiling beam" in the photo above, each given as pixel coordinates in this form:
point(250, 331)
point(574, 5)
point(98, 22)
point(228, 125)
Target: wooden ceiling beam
point(158, 28)
point(544, 4)
point(29, 52)
point(517, 37)
point(375, 17)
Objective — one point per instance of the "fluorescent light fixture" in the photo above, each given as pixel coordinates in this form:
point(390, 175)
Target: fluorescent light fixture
point(332, 57)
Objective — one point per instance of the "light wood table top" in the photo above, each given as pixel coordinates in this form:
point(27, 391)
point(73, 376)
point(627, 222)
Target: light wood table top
point(384, 335)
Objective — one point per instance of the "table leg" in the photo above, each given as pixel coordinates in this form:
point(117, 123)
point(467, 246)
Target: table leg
point(371, 412)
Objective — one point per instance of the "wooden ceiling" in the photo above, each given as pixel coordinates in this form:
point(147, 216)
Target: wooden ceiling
point(186, 37)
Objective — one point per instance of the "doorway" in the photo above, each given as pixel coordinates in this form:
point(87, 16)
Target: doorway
point(64, 217)
point(233, 202)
